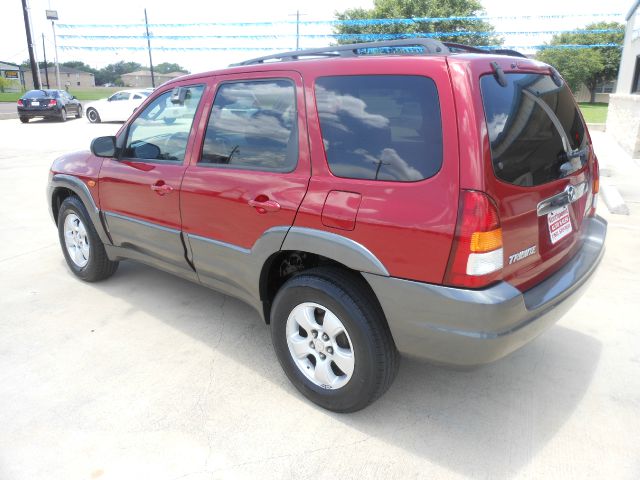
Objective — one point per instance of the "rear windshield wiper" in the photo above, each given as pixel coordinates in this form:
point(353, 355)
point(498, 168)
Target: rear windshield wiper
point(566, 144)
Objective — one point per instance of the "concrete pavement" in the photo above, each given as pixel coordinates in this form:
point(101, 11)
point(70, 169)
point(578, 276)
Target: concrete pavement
point(149, 376)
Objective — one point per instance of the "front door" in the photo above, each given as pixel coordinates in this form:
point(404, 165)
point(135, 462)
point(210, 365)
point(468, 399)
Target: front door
point(139, 191)
point(241, 196)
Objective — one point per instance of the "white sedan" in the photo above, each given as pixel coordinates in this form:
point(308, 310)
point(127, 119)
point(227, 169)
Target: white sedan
point(117, 108)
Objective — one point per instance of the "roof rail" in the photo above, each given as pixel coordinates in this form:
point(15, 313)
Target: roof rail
point(459, 47)
point(429, 47)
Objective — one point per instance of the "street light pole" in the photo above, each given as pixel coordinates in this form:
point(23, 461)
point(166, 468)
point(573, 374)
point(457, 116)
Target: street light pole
point(146, 23)
point(53, 15)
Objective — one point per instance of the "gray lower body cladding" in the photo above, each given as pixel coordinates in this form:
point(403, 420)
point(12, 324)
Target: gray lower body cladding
point(472, 327)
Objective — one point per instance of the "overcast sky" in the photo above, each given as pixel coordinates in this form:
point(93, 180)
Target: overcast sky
point(13, 45)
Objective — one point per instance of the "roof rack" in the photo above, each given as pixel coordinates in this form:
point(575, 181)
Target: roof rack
point(459, 47)
point(429, 47)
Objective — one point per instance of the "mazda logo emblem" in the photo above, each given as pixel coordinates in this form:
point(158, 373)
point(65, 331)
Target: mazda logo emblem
point(571, 192)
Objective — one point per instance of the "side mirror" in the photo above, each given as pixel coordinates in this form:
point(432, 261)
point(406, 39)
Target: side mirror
point(104, 146)
point(73, 97)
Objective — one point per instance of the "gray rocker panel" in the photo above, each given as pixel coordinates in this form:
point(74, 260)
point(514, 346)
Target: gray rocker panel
point(232, 269)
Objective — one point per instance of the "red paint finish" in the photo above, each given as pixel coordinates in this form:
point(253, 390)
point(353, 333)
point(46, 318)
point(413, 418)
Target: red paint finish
point(408, 226)
point(340, 210)
point(216, 200)
point(82, 165)
point(521, 226)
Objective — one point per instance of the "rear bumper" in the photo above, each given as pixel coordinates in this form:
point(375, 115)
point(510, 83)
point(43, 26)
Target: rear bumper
point(472, 327)
point(53, 112)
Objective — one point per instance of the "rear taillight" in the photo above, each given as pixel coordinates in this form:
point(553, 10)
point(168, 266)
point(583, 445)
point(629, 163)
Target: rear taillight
point(20, 103)
point(595, 187)
point(476, 258)
point(53, 102)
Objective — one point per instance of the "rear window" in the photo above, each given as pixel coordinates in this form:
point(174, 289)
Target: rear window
point(529, 146)
point(37, 94)
point(380, 127)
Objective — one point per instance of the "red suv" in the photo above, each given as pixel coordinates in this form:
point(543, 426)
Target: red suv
point(367, 200)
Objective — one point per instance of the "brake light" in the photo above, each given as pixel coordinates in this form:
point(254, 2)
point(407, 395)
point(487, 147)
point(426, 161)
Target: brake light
point(476, 258)
point(20, 103)
point(53, 102)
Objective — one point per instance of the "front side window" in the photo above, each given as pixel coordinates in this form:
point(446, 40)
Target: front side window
point(161, 131)
point(381, 127)
point(253, 125)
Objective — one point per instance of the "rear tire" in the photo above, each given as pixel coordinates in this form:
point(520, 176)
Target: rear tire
point(93, 116)
point(79, 114)
point(24, 119)
point(63, 115)
point(81, 246)
point(332, 340)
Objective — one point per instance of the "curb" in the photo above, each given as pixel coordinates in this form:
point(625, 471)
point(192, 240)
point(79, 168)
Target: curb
point(613, 200)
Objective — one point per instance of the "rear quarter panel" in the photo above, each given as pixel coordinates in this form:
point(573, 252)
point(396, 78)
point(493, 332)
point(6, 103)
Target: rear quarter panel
point(407, 226)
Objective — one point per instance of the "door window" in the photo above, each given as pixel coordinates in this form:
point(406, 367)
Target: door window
point(161, 131)
point(253, 125)
point(117, 97)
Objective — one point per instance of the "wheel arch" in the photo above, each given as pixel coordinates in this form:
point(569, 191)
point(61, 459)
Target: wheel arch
point(305, 248)
point(63, 186)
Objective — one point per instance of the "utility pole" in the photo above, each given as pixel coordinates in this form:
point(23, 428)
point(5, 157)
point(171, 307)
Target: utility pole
point(35, 72)
point(146, 23)
point(46, 68)
point(297, 28)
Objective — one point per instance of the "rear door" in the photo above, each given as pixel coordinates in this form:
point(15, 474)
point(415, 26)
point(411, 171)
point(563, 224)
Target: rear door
point(541, 171)
point(250, 177)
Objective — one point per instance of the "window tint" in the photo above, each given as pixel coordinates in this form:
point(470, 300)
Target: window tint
point(527, 148)
point(137, 97)
point(253, 125)
point(161, 131)
point(36, 94)
point(380, 127)
point(116, 97)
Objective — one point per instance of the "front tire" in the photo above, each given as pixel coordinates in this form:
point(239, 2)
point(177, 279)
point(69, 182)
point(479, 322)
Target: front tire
point(82, 248)
point(93, 116)
point(332, 340)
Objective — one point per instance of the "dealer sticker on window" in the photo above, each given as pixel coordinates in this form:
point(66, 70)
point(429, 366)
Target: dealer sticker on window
point(559, 224)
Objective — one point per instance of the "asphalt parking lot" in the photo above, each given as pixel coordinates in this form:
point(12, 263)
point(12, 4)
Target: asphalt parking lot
point(149, 376)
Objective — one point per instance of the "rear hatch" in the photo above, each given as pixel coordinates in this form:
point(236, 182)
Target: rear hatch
point(37, 100)
point(542, 171)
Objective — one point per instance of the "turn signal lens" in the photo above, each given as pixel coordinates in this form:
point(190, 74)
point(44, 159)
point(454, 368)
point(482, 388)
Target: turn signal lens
point(486, 241)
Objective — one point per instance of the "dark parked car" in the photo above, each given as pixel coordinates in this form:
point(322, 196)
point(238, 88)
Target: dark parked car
point(48, 104)
point(440, 205)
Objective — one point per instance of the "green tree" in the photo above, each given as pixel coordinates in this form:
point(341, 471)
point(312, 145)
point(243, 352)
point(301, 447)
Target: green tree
point(483, 31)
point(588, 66)
point(169, 67)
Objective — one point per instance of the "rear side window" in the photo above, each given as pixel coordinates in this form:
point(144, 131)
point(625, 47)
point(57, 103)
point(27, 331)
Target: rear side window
point(380, 127)
point(535, 130)
point(253, 125)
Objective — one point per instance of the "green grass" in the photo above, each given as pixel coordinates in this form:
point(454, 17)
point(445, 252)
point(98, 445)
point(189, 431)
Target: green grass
point(83, 94)
point(594, 112)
